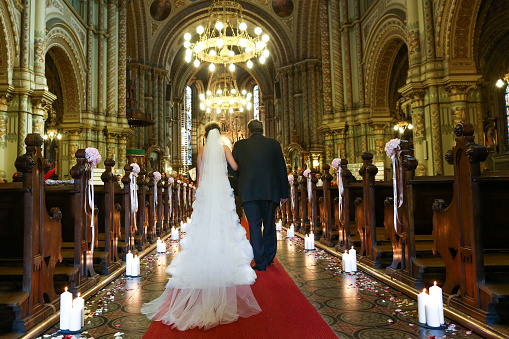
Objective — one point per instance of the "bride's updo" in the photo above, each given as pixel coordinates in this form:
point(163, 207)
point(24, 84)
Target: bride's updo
point(210, 126)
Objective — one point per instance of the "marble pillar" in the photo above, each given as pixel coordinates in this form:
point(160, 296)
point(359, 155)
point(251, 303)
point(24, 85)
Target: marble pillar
point(326, 60)
point(111, 82)
point(122, 59)
point(39, 43)
point(337, 58)
point(346, 48)
point(436, 131)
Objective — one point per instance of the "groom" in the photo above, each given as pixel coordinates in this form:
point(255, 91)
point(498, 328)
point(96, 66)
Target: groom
point(262, 183)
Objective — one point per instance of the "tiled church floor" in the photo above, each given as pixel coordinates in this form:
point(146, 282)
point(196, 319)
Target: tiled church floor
point(354, 306)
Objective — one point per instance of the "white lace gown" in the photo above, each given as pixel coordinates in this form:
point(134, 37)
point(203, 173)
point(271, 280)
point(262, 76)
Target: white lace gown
point(211, 276)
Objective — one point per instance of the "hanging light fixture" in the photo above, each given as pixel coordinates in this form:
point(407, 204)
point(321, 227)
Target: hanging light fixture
point(225, 39)
point(503, 81)
point(223, 95)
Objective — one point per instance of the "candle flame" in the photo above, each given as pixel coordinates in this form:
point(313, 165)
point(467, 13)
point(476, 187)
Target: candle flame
point(424, 290)
point(66, 288)
point(79, 294)
point(346, 251)
point(435, 283)
point(352, 247)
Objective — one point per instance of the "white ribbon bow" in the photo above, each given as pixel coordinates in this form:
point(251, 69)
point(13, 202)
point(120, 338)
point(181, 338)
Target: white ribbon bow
point(341, 191)
point(90, 193)
point(134, 197)
point(310, 189)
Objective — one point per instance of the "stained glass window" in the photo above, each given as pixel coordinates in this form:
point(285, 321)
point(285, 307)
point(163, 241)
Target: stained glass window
point(507, 107)
point(185, 129)
point(256, 102)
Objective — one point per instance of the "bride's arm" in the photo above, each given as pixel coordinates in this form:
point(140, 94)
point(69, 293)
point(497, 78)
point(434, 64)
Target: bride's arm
point(200, 155)
point(229, 158)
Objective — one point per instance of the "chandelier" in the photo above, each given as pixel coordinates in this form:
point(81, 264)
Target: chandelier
point(402, 126)
point(225, 40)
point(223, 95)
point(503, 81)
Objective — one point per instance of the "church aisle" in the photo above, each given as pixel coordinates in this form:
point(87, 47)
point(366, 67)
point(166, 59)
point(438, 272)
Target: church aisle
point(354, 306)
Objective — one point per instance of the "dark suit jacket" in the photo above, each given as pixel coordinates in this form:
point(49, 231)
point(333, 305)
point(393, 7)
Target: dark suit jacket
point(262, 169)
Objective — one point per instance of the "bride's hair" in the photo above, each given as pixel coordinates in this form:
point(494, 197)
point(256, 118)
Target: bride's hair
point(210, 126)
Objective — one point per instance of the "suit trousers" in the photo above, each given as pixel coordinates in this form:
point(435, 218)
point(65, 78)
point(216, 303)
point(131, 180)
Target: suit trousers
point(264, 245)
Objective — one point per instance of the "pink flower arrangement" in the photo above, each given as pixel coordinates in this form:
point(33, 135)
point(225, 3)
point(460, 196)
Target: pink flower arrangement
point(336, 163)
point(92, 155)
point(185, 185)
point(290, 178)
point(392, 147)
point(178, 181)
point(157, 176)
point(135, 168)
point(171, 181)
point(306, 173)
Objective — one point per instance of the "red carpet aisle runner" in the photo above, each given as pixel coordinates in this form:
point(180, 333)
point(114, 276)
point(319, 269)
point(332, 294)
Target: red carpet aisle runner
point(286, 313)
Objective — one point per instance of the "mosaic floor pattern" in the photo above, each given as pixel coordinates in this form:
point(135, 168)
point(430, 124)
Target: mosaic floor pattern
point(354, 305)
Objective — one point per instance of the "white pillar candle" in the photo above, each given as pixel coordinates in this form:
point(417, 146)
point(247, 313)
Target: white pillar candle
point(65, 309)
point(80, 303)
point(311, 241)
point(432, 313)
point(422, 299)
point(353, 258)
point(136, 266)
point(435, 293)
point(347, 261)
point(128, 263)
point(75, 319)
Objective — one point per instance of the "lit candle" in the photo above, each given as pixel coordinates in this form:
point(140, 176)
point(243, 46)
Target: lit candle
point(311, 241)
point(422, 299)
point(136, 266)
point(75, 321)
point(432, 312)
point(435, 293)
point(347, 266)
point(65, 309)
point(353, 258)
point(128, 263)
point(80, 303)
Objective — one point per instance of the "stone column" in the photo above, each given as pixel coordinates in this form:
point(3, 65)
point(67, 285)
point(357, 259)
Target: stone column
point(25, 36)
point(291, 105)
point(419, 133)
point(111, 147)
point(329, 147)
point(160, 94)
point(150, 107)
point(122, 145)
point(122, 59)
point(458, 104)
point(326, 62)
point(358, 49)
point(305, 104)
point(436, 133)
point(348, 63)
point(111, 89)
point(39, 43)
point(286, 128)
point(414, 42)
point(5, 100)
point(24, 110)
point(337, 58)
point(74, 145)
point(364, 138)
point(379, 140)
point(90, 57)
point(313, 98)
point(340, 143)
point(429, 29)
point(100, 76)
point(351, 156)
point(141, 103)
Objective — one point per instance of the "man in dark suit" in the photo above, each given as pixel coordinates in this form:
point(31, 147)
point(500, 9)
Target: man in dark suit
point(262, 184)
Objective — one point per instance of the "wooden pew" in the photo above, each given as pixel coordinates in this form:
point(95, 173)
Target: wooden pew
point(297, 207)
point(327, 209)
point(151, 209)
point(128, 217)
point(76, 222)
point(471, 233)
point(370, 216)
point(303, 205)
point(141, 236)
point(32, 240)
point(347, 235)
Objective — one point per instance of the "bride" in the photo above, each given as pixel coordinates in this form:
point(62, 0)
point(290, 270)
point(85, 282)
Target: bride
point(211, 276)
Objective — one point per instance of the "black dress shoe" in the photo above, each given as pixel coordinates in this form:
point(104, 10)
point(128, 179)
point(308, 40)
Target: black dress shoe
point(258, 268)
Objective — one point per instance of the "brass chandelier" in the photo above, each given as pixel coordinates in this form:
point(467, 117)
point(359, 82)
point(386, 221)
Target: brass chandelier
point(225, 39)
point(223, 95)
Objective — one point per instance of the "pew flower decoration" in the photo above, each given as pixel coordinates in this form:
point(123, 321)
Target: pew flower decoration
point(185, 185)
point(307, 174)
point(157, 177)
point(292, 189)
point(135, 170)
point(178, 181)
point(171, 181)
point(392, 148)
point(336, 164)
point(93, 158)
point(291, 178)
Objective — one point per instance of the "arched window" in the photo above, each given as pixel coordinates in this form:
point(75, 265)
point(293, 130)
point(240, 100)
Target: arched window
point(256, 102)
point(185, 129)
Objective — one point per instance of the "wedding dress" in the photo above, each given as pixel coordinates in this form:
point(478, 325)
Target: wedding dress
point(211, 276)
